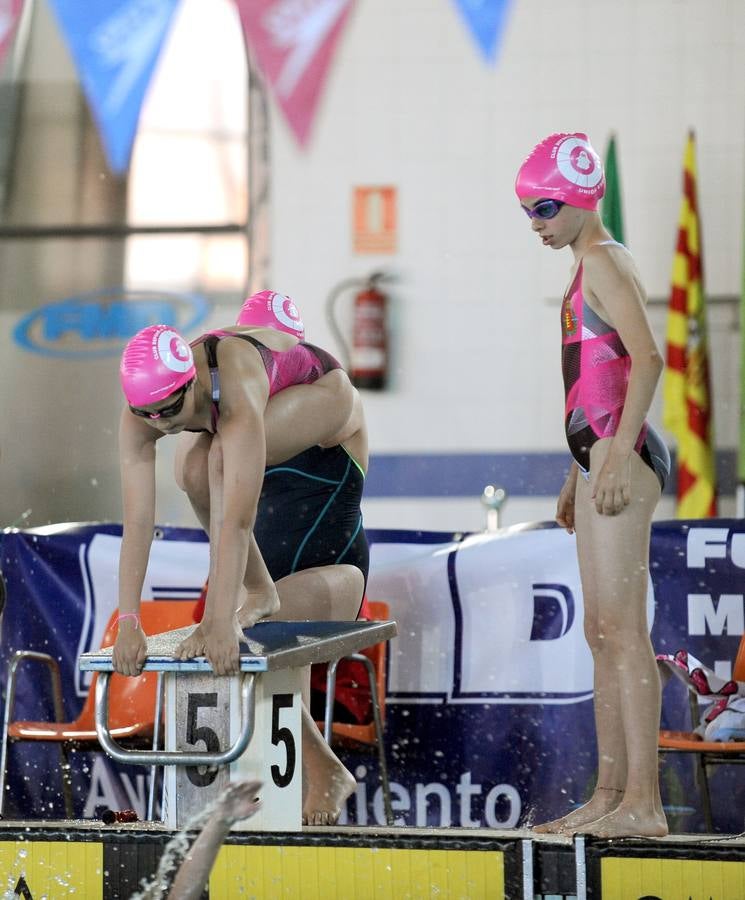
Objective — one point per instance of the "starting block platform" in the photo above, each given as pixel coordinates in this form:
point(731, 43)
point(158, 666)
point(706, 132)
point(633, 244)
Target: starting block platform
point(221, 728)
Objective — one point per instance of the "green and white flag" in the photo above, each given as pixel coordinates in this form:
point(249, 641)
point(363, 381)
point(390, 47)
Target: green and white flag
point(611, 211)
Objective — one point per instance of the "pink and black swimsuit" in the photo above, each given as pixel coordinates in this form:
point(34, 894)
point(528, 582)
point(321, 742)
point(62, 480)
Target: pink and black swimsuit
point(309, 509)
point(301, 364)
point(596, 366)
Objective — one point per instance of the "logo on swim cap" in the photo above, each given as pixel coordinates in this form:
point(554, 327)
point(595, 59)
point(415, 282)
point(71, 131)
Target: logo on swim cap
point(173, 351)
point(286, 312)
point(576, 161)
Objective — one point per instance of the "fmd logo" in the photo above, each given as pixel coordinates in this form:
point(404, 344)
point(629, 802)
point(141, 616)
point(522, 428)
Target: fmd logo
point(99, 323)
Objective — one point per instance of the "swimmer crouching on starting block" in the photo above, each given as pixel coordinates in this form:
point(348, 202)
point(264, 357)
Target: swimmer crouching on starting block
point(254, 398)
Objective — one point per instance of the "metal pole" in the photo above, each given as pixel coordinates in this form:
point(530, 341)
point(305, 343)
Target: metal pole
point(493, 499)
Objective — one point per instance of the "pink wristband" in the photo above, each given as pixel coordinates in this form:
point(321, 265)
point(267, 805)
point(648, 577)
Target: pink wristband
point(130, 615)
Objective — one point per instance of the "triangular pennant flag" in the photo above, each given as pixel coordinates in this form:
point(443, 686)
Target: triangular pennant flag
point(486, 20)
point(10, 13)
point(115, 45)
point(293, 43)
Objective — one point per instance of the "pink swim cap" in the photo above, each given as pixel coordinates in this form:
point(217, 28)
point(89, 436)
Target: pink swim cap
point(156, 362)
point(267, 309)
point(563, 167)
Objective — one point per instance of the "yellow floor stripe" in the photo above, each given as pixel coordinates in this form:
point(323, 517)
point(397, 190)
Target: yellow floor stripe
point(52, 868)
point(673, 879)
point(356, 873)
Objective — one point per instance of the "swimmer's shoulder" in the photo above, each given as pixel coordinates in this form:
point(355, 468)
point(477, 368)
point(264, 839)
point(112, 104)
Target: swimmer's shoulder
point(607, 259)
point(607, 267)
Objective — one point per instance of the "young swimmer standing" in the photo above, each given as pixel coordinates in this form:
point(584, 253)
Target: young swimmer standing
point(611, 365)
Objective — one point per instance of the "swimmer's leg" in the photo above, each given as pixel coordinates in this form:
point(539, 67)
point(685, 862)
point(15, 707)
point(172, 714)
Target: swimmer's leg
point(330, 593)
point(615, 556)
point(302, 416)
point(611, 747)
point(200, 476)
point(326, 782)
point(191, 473)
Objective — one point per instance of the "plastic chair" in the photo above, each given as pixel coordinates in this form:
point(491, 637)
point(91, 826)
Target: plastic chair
point(707, 753)
point(371, 733)
point(133, 701)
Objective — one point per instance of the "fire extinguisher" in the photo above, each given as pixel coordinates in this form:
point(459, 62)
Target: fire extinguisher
point(367, 360)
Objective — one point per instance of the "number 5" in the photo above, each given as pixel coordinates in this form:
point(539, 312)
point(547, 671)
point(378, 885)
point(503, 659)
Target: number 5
point(285, 736)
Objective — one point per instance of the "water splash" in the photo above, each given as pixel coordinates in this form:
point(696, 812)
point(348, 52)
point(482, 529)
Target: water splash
point(173, 855)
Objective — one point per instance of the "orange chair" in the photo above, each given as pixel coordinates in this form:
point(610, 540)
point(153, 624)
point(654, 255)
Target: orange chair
point(132, 700)
point(371, 733)
point(707, 753)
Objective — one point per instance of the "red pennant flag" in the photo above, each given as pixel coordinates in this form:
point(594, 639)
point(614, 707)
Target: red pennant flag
point(292, 43)
point(10, 13)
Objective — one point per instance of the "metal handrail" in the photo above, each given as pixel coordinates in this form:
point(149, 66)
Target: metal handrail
point(175, 757)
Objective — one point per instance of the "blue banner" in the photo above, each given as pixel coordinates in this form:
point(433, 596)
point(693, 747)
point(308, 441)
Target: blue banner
point(115, 45)
point(486, 20)
point(489, 716)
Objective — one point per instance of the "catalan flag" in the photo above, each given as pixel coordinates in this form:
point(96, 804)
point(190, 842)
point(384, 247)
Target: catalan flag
point(687, 391)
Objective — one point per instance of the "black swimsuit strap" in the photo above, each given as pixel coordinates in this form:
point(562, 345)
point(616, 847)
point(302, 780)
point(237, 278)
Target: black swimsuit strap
point(326, 361)
point(210, 349)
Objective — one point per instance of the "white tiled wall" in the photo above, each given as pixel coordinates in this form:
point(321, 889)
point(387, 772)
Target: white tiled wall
point(410, 102)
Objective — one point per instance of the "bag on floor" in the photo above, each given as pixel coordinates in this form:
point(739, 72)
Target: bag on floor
point(727, 695)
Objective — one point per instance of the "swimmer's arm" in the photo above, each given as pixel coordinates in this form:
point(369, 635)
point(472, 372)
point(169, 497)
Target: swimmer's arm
point(609, 280)
point(565, 503)
point(238, 801)
point(241, 428)
point(137, 469)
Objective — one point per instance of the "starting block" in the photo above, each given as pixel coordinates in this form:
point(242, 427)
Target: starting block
point(223, 728)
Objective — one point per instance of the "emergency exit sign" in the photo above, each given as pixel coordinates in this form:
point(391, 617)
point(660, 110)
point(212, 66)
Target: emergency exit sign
point(374, 219)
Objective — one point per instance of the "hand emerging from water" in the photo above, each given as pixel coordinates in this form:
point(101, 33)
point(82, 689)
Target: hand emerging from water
point(611, 489)
point(239, 801)
point(217, 640)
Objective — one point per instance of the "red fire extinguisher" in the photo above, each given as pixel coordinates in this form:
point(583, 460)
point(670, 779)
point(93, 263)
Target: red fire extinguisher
point(367, 361)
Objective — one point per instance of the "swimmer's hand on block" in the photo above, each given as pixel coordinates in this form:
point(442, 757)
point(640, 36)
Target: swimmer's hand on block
point(217, 640)
point(130, 647)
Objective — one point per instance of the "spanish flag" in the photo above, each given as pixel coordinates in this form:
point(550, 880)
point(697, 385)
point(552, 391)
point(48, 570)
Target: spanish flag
point(687, 391)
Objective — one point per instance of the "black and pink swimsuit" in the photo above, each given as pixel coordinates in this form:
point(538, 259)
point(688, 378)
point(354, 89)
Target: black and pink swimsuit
point(309, 510)
point(302, 364)
point(596, 366)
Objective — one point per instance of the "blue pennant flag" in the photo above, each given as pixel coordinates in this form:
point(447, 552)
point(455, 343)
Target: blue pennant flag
point(115, 44)
point(486, 19)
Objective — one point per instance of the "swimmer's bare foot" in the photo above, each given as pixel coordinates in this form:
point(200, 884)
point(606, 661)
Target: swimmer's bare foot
point(627, 821)
point(602, 802)
point(257, 606)
point(324, 795)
